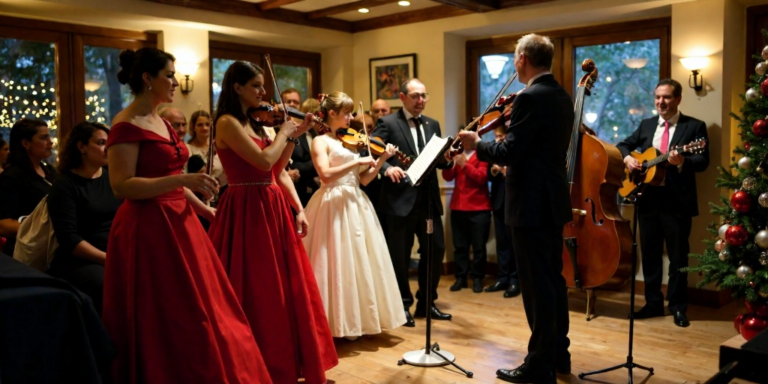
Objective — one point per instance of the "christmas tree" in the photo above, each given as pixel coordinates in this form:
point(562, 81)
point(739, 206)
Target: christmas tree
point(738, 258)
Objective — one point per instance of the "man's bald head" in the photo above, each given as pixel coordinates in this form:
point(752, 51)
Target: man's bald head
point(177, 119)
point(379, 108)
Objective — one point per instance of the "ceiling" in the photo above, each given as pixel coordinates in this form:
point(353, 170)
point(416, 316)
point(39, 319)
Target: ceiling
point(344, 15)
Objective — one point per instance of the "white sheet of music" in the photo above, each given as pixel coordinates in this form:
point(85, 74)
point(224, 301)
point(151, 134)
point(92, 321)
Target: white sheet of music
point(432, 150)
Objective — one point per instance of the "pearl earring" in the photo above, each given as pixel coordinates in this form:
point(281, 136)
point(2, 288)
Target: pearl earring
point(149, 88)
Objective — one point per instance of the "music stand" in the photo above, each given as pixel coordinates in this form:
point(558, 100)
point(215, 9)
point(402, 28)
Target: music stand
point(637, 195)
point(431, 355)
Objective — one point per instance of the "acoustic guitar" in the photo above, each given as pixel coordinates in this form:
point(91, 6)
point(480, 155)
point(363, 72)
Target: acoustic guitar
point(650, 173)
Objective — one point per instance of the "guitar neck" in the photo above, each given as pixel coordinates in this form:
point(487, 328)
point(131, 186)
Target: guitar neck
point(664, 157)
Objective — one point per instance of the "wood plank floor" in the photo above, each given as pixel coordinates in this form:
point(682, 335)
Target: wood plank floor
point(490, 332)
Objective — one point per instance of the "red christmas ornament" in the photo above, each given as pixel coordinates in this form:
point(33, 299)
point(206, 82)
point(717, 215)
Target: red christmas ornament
point(736, 235)
point(760, 128)
point(741, 202)
point(759, 307)
point(747, 145)
point(737, 322)
point(764, 87)
point(752, 326)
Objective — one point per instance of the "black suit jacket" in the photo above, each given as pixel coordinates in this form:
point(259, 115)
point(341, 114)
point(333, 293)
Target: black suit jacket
point(497, 190)
point(302, 160)
point(534, 152)
point(680, 185)
point(398, 199)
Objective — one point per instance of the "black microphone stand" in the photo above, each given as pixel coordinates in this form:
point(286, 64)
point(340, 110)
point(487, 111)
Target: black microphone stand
point(636, 197)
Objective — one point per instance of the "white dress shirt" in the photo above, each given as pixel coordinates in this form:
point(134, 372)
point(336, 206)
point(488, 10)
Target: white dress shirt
point(413, 127)
point(660, 131)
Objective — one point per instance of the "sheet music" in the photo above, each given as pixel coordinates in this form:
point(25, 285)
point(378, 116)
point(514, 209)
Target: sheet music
point(434, 148)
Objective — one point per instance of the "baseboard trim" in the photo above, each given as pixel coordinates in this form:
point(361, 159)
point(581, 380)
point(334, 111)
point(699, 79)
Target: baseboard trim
point(696, 296)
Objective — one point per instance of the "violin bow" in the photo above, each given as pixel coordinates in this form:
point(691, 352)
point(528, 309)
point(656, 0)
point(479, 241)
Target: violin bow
point(491, 105)
point(209, 160)
point(367, 137)
point(277, 87)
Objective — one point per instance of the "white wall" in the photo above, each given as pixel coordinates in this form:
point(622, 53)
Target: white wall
point(189, 45)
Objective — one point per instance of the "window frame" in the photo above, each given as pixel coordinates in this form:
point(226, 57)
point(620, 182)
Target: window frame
point(566, 41)
point(255, 54)
point(70, 40)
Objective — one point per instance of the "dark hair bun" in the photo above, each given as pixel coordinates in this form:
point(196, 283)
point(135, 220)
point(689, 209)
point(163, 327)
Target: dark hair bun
point(126, 58)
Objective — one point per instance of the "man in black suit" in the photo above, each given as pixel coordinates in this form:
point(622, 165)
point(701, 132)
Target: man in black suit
point(405, 206)
point(665, 212)
point(507, 279)
point(538, 205)
point(302, 170)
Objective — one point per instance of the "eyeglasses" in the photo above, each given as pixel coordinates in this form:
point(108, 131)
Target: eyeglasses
point(416, 96)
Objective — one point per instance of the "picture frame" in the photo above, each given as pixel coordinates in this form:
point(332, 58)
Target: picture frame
point(387, 73)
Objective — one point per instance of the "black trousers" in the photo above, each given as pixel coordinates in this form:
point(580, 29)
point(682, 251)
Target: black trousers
point(505, 253)
point(540, 263)
point(86, 276)
point(659, 226)
point(400, 232)
point(470, 228)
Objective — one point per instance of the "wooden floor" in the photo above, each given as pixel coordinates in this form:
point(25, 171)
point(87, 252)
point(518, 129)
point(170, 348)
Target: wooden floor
point(490, 332)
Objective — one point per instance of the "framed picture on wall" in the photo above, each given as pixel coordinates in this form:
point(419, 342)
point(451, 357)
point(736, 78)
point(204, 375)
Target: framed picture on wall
point(387, 73)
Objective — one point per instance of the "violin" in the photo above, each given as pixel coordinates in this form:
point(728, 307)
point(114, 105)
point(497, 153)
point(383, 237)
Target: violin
point(356, 140)
point(267, 114)
point(492, 118)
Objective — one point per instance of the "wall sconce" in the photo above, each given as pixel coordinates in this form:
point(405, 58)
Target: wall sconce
point(695, 64)
point(187, 70)
point(93, 85)
point(495, 64)
point(635, 63)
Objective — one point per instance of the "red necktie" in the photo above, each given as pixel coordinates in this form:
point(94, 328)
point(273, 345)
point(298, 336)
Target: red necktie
point(665, 138)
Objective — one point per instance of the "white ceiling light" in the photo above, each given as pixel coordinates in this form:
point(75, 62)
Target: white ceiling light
point(635, 63)
point(495, 64)
point(92, 85)
point(591, 117)
point(363, 10)
point(403, 3)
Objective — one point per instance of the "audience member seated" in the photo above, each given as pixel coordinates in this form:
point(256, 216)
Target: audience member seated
point(199, 144)
point(470, 218)
point(176, 118)
point(26, 179)
point(81, 206)
point(4, 149)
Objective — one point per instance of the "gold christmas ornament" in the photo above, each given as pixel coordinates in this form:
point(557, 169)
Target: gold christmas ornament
point(743, 271)
point(724, 255)
point(745, 163)
point(761, 239)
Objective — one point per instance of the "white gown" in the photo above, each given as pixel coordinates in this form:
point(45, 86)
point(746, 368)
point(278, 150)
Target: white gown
point(349, 255)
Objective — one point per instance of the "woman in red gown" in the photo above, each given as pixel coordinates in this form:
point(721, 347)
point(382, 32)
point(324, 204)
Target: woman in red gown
point(168, 305)
point(255, 236)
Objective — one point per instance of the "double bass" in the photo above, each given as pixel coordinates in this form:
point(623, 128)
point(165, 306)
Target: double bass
point(598, 241)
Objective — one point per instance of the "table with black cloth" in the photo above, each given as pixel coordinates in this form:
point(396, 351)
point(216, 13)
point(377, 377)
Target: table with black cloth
point(49, 331)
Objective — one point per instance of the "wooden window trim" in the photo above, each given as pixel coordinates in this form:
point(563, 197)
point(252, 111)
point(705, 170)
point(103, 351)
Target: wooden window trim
point(70, 61)
point(565, 41)
point(753, 14)
point(254, 54)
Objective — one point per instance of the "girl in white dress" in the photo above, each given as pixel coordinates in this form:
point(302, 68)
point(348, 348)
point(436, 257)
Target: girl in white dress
point(346, 245)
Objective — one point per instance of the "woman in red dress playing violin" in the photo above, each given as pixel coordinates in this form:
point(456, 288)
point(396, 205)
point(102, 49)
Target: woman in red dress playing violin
point(168, 305)
point(258, 239)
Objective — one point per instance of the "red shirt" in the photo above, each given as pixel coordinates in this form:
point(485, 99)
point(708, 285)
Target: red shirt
point(471, 190)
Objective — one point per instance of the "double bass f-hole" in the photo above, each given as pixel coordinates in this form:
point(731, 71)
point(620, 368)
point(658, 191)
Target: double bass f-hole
point(594, 218)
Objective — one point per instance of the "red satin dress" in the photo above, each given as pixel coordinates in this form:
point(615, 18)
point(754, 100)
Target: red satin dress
point(168, 304)
point(255, 236)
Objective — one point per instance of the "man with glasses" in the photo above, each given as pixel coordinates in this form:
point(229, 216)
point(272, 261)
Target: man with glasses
point(177, 119)
point(404, 206)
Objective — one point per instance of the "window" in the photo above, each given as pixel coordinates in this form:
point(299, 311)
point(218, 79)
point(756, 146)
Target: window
point(631, 58)
point(293, 69)
point(494, 71)
point(61, 73)
point(628, 74)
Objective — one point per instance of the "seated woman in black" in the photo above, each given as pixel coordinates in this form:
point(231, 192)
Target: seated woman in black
point(81, 206)
point(27, 179)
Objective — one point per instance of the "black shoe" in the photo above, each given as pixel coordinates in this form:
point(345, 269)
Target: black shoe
point(512, 290)
point(681, 320)
point(497, 286)
point(563, 367)
point(461, 282)
point(477, 285)
point(409, 319)
point(522, 374)
point(436, 314)
point(647, 312)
